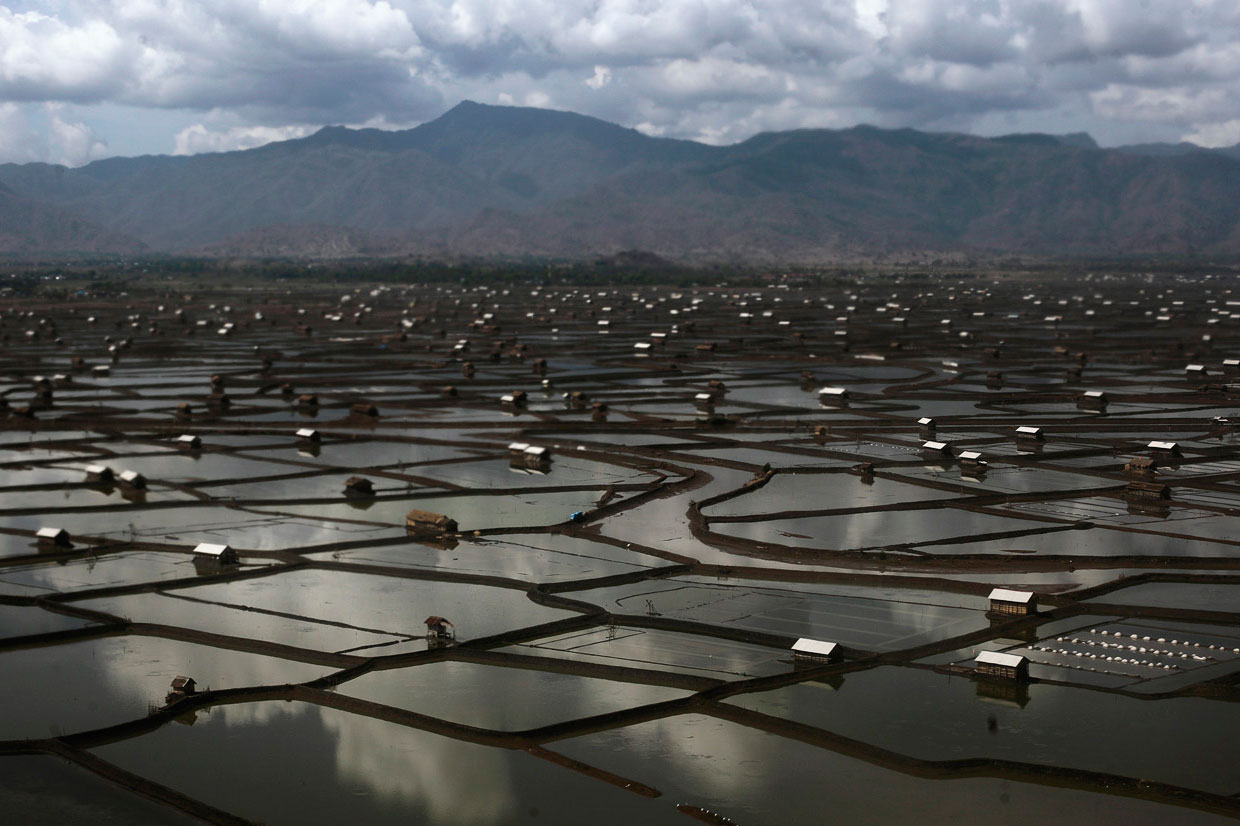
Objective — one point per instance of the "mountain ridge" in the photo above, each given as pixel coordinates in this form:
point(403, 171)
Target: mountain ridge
point(496, 180)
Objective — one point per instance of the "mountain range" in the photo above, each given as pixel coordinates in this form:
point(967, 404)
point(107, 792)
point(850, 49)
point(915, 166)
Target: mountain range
point(507, 181)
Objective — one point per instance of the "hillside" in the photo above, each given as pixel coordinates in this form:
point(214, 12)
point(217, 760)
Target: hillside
point(495, 180)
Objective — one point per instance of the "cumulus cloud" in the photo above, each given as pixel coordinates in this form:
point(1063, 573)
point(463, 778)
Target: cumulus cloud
point(600, 78)
point(72, 143)
point(198, 138)
point(48, 134)
point(1213, 135)
point(709, 69)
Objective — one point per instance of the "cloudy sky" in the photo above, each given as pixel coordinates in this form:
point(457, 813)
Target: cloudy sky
point(85, 80)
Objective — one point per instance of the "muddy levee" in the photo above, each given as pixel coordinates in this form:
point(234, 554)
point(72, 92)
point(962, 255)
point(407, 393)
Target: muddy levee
point(889, 548)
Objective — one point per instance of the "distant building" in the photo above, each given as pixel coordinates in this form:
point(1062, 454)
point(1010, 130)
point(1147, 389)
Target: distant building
point(132, 479)
point(220, 554)
point(1093, 400)
point(819, 651)
point(832, 396)
point(439, 628)
point(1146, 492)
point(1162, 448)
point(971, 461)
point(1000, 666)
point(426, 523)
point(98, 473)
point(53, 538)
point(181, 688)
point(1007, 601)
point(523, 455)
point(358, 486)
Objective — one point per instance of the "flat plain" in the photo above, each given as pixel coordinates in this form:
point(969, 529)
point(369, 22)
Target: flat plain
point(648, 496)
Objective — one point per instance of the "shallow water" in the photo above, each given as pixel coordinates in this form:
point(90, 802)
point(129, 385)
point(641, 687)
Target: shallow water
point(621, 616)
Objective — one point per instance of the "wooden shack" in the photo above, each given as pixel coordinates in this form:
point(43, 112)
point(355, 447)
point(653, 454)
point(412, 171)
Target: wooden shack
point(999, 666)
point(832, 396)
point(98, 473)
point(308, 435)
point(1164, 448)
point(1142, 467)
point(1027, 433)
point(1008, 601)
point(1092, 400)
point(927, 427)
point(184, 685)
point(971, 460)
point(426, 523)
point(364, 409)
point(937, 449)
point(307, 400)
point(439, 628)
point(189, 441)
point(358, 486)
point(181, 688)
point(808, 650)
point(1146, 492)
point(576, 399)
point(132, 479)
point(219, 554)
point(523, 455)
point(53, 538)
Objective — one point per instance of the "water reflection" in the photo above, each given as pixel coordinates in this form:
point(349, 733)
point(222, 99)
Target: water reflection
point(346, 768)
point(102, 682)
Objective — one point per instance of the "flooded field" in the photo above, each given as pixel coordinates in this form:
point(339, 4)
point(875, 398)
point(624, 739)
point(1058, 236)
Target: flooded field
point(896, 550)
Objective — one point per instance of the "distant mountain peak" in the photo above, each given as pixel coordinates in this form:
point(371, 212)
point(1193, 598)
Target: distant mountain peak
point(492, 179)
point(521, 119)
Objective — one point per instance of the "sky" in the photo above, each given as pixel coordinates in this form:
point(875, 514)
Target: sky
point(81, 81)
